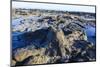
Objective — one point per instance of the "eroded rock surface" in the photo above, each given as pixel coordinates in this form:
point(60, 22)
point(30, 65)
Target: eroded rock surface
point(52, 46)
point(45, 38)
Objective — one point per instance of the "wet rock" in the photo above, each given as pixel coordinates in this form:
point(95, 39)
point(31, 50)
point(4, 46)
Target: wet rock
point(82, 51)
point(73, 27)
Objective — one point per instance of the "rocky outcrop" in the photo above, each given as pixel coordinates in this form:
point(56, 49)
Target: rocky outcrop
point(51, 38)
point(53, 47)
point(83, 51)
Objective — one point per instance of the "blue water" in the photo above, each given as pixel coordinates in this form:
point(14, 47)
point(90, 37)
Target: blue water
point(15, 40)
point(16, 22)
point(20, 20)
point(91, 33)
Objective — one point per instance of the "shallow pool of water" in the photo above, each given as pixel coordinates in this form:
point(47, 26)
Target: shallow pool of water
point(91, 33)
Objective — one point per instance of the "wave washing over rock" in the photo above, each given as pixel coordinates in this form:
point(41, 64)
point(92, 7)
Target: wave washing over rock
point(47, 37)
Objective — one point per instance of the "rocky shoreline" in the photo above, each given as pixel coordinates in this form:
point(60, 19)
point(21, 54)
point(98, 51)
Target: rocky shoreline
point(51, 37)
